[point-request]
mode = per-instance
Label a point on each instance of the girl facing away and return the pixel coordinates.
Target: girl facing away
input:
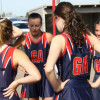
(10, 58)
(72, 51)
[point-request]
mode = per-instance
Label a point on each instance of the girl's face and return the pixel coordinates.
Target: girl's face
(59, 23)
(34, 26)
(97, 31)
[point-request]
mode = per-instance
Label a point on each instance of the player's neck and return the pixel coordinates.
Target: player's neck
(36, 37)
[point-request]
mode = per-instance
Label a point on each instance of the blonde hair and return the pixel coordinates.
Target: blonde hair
(5, 31)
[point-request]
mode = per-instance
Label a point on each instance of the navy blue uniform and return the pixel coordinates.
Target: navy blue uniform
(7, 71)
(96, 66)
(37, 52)
(75, 64)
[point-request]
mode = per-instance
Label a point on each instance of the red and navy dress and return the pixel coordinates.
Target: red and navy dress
(37, 52)
(7, 72)
(96, 66)
(75, 64)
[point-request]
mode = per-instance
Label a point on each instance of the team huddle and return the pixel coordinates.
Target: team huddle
(73, 51)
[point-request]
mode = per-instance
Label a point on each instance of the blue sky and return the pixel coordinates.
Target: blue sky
(20, 7)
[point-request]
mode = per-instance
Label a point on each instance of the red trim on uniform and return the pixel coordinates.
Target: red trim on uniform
(9, 55)
(29, 36)
(46, 37)
(12, 52)
(88, 42)
(70, 39)
(4, 52)
(21, 95)
(88, 39)
(6, 57)
(24, 93)
(27, 40)
(64, 47)
(39, 40)
(57, 97)
(68, 44)
(45, 40)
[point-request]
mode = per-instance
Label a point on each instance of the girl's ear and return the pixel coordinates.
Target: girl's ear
(58, 18)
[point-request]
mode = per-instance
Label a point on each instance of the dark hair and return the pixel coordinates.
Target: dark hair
(5, 31)
(73, 22)
(35, 15)
(97, 22)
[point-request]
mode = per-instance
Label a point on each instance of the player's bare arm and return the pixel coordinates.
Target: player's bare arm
(57, 49)
(20, 41)
(20, 58)
(17, 32)
(49, 37)
(95, 42)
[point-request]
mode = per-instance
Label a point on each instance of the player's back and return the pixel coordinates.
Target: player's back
(7, 71)
(75, 64)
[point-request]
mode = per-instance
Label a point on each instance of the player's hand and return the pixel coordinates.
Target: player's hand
(92, 84)
(9, 92)
(62, 84)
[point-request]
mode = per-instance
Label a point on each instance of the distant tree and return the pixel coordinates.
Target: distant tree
(3, 15)
(21, 16)
(27, 14)
(9, 14)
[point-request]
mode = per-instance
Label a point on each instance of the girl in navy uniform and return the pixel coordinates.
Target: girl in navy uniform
(10, 58)
(72, 51)
(36, 44)
(96, 62)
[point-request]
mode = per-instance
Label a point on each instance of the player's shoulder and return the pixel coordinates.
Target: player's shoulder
(49, 36)
(58, 39)
(18, 52)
